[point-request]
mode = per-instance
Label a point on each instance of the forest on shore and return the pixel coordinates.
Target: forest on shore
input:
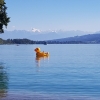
(28, 41)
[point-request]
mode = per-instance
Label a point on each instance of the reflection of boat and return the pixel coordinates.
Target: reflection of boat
(40, 59)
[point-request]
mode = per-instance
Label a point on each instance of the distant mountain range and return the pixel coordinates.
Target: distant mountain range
(27, 37)
(89, 38)
(41, 36)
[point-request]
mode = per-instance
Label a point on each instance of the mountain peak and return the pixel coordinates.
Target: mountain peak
(37, 34)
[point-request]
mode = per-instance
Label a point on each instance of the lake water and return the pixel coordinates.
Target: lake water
(71, 72)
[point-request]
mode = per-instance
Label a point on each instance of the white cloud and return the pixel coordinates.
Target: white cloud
(35, 30)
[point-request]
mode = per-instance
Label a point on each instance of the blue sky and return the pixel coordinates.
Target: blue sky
(45, 15)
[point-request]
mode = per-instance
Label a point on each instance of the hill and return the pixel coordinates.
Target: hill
(89, 38)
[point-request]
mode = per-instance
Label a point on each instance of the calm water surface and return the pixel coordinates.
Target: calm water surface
(71, 72)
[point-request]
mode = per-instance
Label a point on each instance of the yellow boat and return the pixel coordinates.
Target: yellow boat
(41, 54)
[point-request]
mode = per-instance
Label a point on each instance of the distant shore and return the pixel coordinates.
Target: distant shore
(27, 41)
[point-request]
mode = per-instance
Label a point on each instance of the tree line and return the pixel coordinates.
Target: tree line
(27, 41)
(20, 41)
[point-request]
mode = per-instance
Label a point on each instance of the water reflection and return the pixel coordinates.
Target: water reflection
(39, 60)
(3, 81)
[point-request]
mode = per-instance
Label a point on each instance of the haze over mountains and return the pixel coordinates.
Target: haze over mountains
(40, 36)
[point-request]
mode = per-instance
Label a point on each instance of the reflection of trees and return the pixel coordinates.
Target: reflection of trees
(3, 81)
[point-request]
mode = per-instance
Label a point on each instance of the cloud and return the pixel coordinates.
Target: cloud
(35, 30)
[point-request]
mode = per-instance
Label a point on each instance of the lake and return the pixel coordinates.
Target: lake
(71, 72)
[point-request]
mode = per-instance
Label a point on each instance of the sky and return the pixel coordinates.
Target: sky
(43, 15)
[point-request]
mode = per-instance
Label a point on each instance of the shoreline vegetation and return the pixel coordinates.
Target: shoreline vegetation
(28, 41)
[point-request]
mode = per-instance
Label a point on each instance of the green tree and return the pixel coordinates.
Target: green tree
(4, 19)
